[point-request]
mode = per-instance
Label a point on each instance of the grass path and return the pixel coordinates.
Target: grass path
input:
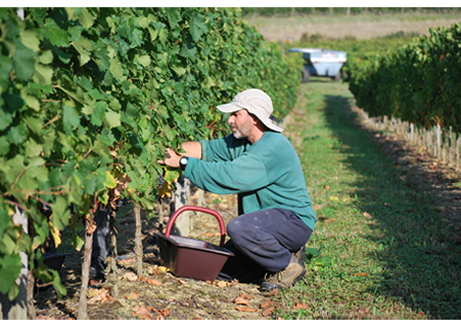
(379, 250)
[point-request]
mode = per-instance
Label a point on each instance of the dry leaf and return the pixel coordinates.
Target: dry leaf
(299, 305)
(246, 296)
(240, 301)
(142, 313)
(267, 303)
(274, 292)
(245, 309)
(151, 281)
(165, 312)
(131, 276)
(102, 295)
(221, 283)
(133, 296)
(367, 215)
(268, 312)
(182, 282)
(157, 270)
(326, 187)
(361, 274)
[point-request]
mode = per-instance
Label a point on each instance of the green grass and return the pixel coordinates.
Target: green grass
(379, 250)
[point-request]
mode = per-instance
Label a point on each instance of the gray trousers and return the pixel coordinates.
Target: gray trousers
(263, 241)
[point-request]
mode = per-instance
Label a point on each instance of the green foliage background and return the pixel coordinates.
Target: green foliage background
(90, 97)
(418, 82)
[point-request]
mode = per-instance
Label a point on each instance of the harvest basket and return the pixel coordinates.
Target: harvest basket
(191, 258)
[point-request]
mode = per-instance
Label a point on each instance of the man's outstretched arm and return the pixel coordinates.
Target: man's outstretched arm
(192, 150)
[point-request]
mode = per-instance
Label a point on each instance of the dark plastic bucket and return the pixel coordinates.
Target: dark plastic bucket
(54, 260)
(191, 258)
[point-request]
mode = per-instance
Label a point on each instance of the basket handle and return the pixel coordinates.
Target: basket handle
(200, 209)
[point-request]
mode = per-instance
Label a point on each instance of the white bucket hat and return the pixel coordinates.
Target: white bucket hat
(256, 102)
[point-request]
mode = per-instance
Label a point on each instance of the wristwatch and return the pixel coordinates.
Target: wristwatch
(183, 162)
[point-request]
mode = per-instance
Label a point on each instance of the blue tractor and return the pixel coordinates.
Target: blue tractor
(321, 62)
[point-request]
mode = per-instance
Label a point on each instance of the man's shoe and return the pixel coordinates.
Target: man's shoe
(284, 278)
(301, 255)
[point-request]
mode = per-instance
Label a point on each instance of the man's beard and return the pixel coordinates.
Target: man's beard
(239, 133)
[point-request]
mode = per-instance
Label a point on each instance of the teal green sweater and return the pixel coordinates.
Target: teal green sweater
(265, 175)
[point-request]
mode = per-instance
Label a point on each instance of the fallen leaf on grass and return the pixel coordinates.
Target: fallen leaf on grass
(298, 306)
(245, 309)
(274, 292)
(367, 215)
(164, 312)
(142, 313)
(223, 283)
(326, 187)
(133, 296)
(151, 281)
(157, 270)
(131, 276)
(268, 312)
(102, 295)
(361, 274)
(240, 301)
(246, 296)
(126, 261)
(267, 303)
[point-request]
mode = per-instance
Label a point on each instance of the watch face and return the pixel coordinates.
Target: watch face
(183, 161)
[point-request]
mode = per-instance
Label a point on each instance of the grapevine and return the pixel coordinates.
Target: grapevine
(89, 99)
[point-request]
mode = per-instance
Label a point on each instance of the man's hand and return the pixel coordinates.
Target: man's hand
(172, 159)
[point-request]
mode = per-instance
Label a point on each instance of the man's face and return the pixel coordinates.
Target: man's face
(241, 123)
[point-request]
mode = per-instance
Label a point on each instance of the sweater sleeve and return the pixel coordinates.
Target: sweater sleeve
(244, 174)
(224, 149)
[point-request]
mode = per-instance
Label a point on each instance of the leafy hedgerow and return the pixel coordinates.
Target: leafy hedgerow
(419, 82)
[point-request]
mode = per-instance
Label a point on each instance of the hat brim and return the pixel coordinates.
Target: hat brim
(232, 107)
(269, 124)
(229, 107)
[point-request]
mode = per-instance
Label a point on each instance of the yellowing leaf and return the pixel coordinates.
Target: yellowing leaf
(55, 233)
(110, 180)
(164, 191)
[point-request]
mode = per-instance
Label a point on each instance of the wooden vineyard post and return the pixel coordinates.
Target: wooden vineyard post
(90, 226)
(181, 198)
(457, 151)
(439, 145)
(428, 139)
(450, 144)
(138, 252)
